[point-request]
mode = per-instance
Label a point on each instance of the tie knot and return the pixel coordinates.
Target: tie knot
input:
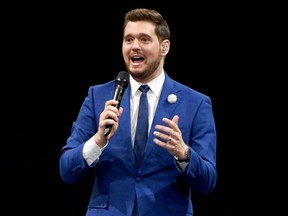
(144, 88)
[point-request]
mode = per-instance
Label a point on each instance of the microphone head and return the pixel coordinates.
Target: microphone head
(122, 79)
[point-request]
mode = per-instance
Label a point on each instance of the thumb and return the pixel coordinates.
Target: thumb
(175, 119)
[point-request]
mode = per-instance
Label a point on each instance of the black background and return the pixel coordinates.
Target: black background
(56, 51)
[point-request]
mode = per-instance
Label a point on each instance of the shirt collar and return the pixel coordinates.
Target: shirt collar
(155, 85)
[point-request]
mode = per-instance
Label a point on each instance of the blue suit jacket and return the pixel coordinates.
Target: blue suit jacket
(162, 189)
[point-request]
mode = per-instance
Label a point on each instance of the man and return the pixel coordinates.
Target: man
(180, 153)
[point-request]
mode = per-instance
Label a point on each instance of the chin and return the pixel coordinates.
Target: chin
(136, 69)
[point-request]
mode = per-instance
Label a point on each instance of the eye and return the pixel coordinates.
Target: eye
(145, 39)
(128, 40)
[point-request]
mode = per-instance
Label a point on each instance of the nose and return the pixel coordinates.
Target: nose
(136, 45)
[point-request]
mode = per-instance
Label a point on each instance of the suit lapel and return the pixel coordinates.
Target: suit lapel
(164, 109)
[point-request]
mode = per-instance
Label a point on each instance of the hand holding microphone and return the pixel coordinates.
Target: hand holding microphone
(121, 83)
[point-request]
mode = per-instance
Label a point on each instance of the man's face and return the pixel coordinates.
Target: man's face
(141, 51)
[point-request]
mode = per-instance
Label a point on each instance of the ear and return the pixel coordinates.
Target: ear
(165, 46)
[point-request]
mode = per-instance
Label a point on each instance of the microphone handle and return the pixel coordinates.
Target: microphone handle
(119, 91)
(107, 130)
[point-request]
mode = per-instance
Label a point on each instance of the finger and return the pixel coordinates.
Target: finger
(175, 119)
(162, 136)
(163, 144)
(111, 103)
(164, 129)
(110, 116)
(174, 143)
(120, 111)
(173, 124)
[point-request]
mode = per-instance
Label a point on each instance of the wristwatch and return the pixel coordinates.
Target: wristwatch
(187, 154)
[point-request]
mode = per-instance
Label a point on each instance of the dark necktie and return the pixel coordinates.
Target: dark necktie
(142, 125)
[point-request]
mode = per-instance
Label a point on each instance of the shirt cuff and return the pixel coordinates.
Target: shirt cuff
(91, 151)
(181, 165)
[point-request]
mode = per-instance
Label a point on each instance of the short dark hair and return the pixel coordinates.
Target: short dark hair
(142, 14)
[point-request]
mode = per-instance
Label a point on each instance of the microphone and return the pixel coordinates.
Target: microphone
(121, 83)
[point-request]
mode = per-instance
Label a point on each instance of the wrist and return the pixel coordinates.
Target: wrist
(186, 158)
